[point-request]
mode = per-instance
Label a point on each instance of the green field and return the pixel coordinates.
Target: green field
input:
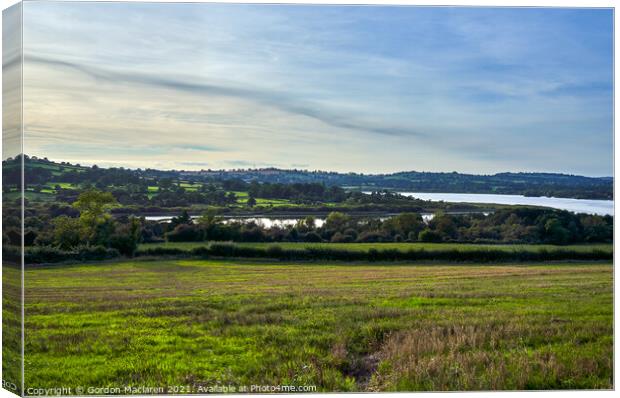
(30, 195)
(242, 199)
(11, 327)
(384, 246)
(55, 168)
(340, 327)
(63, 185)
(190, 186)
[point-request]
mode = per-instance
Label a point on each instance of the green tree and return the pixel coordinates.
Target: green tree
(595, 229)
(208, 218)
(555, 232)
(184, 218)
(313, 237)
(251, 200)
(103, 232)
(444, 225)
(337, 221)
(127, 237)
(94, 207)
(306, 224)
(404, 224)
(428, 235)
(66, 232)
(310, 222)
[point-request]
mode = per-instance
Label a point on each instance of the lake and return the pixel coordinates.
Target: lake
(589, 206)
(266, 222)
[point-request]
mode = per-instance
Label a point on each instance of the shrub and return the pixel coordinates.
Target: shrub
(341, 238)
(275, 251)
(160, 251)
(313, 237)
(11, 254)
(49, 254)
(370, 237)
(125, 244)
(352, 233)
(185, 233)
(428, 235)
(30, 237)
(252, 234)
(224, 249)
(95, 253)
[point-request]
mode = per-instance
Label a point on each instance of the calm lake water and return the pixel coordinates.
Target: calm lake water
(274, 222)
(266, 222)
(590, 206)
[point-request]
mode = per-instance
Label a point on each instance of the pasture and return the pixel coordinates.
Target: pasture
(341, 327)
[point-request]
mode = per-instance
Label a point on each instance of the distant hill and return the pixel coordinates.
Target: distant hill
(528, 184)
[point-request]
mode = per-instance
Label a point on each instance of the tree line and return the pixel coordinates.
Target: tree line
(521, 225)
(87, 229)
(529, 184)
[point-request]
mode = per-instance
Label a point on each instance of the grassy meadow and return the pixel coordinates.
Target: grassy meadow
(11, 327)
(341, 327)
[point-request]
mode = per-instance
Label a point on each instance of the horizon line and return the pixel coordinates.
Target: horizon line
(274, 168)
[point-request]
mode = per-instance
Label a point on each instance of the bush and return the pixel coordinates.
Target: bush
(46, 254)
(252, 234)
(352, 233)
(275, 251)
(11, 254)
(30, 237)
(370, 237)
(342, 238)
(313, 237)
(428, 235)
(160, 251)
(49, 254)
(229, 249)
(95, 253)
(412, 236)
(185, 233)
(125, 244)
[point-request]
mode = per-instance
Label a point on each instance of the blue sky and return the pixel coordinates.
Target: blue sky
(364, 89)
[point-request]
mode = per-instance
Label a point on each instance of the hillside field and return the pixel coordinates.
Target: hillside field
(353, 327)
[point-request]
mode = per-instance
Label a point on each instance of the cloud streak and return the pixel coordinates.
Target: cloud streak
(281, 100)
(372, 89)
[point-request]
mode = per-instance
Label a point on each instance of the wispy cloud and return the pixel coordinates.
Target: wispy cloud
(345, 88)
(194, 164)
(287, 102)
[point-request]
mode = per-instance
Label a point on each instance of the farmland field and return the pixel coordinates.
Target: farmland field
(340, 327)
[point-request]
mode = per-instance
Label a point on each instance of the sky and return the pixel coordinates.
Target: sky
(372, 89)
(11, 82)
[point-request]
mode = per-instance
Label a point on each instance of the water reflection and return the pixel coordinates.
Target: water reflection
(269, 222)
(589, 206)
